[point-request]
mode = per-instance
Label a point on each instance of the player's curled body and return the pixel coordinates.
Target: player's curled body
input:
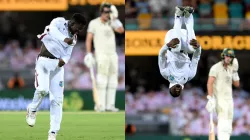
(173, 61)
(58, 41)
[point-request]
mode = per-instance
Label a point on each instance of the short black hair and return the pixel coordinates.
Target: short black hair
(103, 5)
(173, 91)
(79, 18)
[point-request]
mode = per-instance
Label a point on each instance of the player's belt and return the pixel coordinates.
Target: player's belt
(50, 57)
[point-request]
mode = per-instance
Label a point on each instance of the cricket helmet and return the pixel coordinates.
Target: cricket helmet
(228, 52)
(103, 5)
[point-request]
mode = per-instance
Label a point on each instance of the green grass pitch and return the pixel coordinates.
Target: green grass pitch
(74, 126)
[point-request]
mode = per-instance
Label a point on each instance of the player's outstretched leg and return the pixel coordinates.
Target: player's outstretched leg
(189, 22)
(179, 11)
(42, 89)
(32, 107)
(56, 102)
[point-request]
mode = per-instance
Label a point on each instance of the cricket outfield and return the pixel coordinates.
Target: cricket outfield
(85, 125)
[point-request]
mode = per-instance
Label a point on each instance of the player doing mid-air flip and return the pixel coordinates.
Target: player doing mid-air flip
(58, 40)
(174, 63)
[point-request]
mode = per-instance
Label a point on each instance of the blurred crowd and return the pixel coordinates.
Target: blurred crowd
(209, 13)
(15, 57)
(187, 113)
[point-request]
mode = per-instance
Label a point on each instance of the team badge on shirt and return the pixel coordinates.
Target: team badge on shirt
(61, 83)
(171, 78)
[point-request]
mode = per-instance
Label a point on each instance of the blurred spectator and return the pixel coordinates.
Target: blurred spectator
(187, 113)
(131, 10)
(16, 81)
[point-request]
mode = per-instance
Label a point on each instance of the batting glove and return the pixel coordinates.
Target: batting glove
(114, 12)
(210, 104)
(89, 60)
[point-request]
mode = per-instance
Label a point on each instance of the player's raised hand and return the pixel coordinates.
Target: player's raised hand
(69, 41)
(194, 43)
(61, 63)
(173, 43)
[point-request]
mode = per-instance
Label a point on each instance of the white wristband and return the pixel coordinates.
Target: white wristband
(236, 76)
(116, 23)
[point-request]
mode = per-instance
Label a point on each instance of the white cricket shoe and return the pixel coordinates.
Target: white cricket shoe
(179, 11)
(52, 136)
(98, 108)
(30, 117)
(112, 109)
(188, 11)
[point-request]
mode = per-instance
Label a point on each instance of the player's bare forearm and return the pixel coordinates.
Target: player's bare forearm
(89, 42)
(236, 84)
(210, 83)
(120, 30)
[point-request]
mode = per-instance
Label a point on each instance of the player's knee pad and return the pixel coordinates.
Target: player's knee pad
(57, 101)
(113, 81)
(101, 81)
(42, 92)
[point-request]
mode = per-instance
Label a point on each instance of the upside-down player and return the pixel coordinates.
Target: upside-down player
(58, 40)
(101, 31)
(174, 63)
(219, 86)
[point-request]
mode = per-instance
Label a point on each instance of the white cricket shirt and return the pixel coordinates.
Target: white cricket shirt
(104, 36)
(222, 87)
(53, 39)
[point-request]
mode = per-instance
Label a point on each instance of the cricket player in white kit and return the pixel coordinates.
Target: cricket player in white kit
(101, 31)
(174, 63)
(219, 86)
(58, 40)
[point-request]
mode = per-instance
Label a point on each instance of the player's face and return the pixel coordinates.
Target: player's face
(106, 13)
(76, 28)
(227, 59)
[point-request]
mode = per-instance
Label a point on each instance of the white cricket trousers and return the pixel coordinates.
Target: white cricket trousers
(107, 79)
(224, 110)
(49, 79)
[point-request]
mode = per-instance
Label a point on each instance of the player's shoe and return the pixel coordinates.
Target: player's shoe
(30, 117)
(188, 11)
(112, 109)
(52, 136)
(99, 109)
(179, 11)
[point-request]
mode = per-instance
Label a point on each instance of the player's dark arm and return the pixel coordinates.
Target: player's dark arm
(210, 83)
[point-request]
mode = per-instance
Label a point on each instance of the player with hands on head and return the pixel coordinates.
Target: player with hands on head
(101, 32)
(173, 61)
(222, 76)
(58, 41)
